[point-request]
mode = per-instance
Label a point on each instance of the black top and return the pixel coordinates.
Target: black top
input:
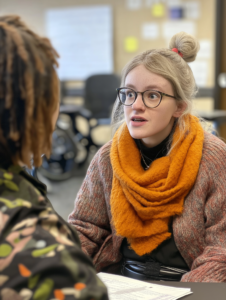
(166, 253)
(150, 154)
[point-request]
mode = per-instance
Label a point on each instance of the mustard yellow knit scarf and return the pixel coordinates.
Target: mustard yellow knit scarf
(142, 202)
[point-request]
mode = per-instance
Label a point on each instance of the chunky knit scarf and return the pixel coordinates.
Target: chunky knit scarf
(142, 202)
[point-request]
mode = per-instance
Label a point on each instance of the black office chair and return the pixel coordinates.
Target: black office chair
(99, 96)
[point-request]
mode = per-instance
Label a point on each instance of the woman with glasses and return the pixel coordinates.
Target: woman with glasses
(153, 202)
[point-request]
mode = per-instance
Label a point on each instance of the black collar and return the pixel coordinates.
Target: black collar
(153, 153)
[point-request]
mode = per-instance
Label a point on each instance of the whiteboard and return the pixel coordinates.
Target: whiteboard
(83, 38)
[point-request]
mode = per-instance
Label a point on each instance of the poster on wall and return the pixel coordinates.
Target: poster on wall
(83, 38)
(172, 27)
(150, 31)
(192, 10)
(205, 49)
(133, 4)
(131, 44)
(200, 71)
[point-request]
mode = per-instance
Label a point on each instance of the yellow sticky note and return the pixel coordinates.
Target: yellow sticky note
(131, 44)
(158, 10)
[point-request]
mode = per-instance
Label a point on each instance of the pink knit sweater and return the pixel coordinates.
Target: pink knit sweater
(199, 233)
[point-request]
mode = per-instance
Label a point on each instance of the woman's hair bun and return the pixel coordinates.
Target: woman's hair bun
(187, 44)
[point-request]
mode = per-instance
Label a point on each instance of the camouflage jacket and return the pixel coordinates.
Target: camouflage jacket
(40, 255)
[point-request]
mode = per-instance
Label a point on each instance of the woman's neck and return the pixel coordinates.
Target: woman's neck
(156, 139)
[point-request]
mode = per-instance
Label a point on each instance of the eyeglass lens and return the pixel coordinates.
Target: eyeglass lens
(128, 97)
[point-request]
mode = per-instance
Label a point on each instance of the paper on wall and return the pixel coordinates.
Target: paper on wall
(205, 49)
(83, 38)
(150, 31)
(174, 3)
(192, 10)
(149, 3)
(172, 27)
(131, 44)
(200, 71)
(133, 4)
(158, 10)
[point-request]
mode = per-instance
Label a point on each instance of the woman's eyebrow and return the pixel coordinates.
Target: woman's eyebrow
(149, 87)
(130, 85)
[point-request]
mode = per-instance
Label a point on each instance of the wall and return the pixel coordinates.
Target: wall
(126, 23)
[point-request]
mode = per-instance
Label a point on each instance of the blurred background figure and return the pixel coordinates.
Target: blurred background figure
(95, 39)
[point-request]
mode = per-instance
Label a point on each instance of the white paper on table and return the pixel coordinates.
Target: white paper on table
(124, 288)
(200, 71)
(192, 10)
(205, 49)
(150, 31)
(83, 36)
(133, 4)
(172, 27)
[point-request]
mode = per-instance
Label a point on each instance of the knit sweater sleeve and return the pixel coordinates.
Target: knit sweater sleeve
(206, 210)
(90, 215)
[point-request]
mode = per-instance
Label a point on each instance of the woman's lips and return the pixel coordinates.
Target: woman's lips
(137, 121)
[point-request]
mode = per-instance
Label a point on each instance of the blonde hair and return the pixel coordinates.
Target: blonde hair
(29, 92)
(172, 67)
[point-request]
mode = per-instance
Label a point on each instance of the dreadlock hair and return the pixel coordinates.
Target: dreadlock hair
(29, 92)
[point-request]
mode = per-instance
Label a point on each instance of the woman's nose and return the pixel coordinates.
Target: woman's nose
(138, 104)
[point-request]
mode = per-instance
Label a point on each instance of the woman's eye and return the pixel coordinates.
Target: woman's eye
(130, 95)
(152, 96)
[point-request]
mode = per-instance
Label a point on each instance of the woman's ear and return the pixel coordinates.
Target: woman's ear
(181, 107)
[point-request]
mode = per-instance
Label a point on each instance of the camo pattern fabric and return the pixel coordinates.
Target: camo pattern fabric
(40, 255)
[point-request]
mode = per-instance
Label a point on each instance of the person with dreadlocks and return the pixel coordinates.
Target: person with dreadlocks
(40, 255)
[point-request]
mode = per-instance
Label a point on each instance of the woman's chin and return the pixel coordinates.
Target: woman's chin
(136, 135)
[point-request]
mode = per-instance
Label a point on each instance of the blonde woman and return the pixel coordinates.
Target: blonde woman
(153, 202)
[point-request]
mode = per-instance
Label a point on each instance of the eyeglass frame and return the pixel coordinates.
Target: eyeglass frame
(142, 93)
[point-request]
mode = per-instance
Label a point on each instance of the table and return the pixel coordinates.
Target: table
(201, 290)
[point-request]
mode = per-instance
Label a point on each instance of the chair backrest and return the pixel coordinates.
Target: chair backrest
(100, 94)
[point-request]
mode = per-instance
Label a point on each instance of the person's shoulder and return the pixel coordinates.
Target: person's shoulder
(103, 154)
(106, 148)
(214, 148)
(14, 186)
